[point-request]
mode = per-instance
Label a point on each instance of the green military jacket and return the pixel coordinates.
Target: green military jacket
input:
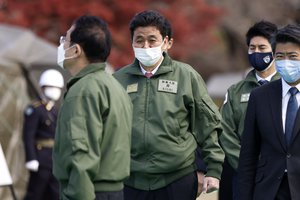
(233, 112)
(92, 142)
(170, 110)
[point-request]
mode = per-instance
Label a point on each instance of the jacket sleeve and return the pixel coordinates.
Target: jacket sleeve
(76, 157)
(201, 167)
(229, 138)
(206, 126)
(250, 149)
(30, 127)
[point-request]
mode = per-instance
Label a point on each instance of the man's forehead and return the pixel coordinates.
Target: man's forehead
(259, 40)
(148, 31)
(287, 47)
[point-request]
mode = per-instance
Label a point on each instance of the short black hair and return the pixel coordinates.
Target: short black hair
(93, 35)
(169, 29)
(289, 33)
(149, 18)
(264, 29)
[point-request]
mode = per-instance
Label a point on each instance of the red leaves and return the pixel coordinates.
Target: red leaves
(191, 20)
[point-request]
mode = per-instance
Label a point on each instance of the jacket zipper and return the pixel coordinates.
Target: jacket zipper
(146, 116)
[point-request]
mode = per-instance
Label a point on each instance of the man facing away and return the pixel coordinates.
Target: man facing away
(270, 150)
(92, 144)
(172, 114)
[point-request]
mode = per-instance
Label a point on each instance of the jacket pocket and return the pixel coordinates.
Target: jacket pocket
(261, 163)
(79, 145)
(260, 170)
(78, 134)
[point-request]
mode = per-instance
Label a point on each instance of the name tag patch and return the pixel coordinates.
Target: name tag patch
(132, 88)
(245, 97)
(167, 86)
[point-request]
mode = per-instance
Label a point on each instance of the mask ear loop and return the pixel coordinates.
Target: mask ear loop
(164, 42)
(70, 57)
(271, 63)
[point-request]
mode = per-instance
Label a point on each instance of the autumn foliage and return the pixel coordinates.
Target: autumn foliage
(192, 21)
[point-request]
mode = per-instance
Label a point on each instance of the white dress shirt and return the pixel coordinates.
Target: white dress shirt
(267, 78)
(285, 99)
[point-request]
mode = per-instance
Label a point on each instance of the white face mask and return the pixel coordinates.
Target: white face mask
(53, 93)
(148, 56)
(61, 55)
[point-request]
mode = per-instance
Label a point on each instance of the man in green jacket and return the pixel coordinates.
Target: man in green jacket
(92, 144)
(260, 41)
(172, 114)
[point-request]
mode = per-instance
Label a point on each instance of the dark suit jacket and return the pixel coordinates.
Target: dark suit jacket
(264, 154)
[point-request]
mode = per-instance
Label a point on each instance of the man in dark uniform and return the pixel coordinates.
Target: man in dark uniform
(38, 135)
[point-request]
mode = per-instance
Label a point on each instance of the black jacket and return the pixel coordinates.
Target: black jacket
(264, 154)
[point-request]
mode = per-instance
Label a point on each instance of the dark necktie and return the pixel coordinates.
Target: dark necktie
(291, 113)
(262, 82)
(148, 74)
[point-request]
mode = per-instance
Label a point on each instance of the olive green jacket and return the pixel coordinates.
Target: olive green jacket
(170, 110)
(233, 112)
(92, 142)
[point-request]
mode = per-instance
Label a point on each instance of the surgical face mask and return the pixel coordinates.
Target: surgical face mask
(289, 70)
(61, 55)
(260, 61)
(53, 93)
(148, 56)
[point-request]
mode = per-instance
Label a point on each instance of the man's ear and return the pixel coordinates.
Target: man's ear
(170, 43)
(166, 39)
(78, 50)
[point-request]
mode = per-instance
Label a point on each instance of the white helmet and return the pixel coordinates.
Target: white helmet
(52, 77)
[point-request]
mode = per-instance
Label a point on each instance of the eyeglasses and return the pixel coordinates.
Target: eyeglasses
(63, 39)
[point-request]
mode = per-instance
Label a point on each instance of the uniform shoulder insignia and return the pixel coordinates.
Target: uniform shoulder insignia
(29, 110)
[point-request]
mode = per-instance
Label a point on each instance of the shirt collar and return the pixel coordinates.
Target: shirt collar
(286, 87)
(153, 71)
(267, 78)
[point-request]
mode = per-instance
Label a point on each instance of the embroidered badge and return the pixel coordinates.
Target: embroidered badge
(245, 97)
(167, 86)
(132, 88)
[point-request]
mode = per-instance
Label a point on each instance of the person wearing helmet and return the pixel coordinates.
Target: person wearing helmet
(38, 136)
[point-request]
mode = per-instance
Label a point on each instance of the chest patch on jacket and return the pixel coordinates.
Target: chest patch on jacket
(132, 88)
(167, 86)
(245, 97)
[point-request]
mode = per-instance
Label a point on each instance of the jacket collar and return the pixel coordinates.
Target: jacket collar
(91, 68)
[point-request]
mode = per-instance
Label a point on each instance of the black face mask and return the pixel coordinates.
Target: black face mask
(260, 61)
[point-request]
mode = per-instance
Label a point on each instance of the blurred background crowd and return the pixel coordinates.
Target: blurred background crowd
(208, 34)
